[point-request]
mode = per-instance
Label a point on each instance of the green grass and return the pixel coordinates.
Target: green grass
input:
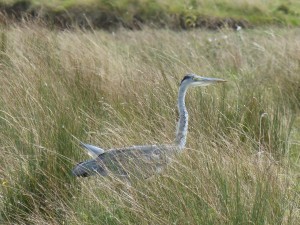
(164, 13)
(241, 164)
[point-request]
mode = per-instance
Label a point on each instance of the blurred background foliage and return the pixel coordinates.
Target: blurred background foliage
(176, 14)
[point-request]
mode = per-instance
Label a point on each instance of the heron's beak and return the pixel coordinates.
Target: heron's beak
(204, 81)
(209, 80)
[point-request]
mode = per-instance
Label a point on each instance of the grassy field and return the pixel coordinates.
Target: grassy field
(241, 164)
(158, 13)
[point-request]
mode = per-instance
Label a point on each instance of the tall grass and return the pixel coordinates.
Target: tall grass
(118, 89)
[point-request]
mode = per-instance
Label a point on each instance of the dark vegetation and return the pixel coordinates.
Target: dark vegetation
(134, 14)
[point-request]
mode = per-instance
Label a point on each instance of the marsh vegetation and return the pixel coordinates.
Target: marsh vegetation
(241, 164)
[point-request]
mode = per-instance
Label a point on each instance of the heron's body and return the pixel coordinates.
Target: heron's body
(143, 160)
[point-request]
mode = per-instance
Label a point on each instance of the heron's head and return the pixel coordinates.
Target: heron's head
(193, 80)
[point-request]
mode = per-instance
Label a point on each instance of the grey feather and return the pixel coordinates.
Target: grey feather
(92, 150)
(145, 160)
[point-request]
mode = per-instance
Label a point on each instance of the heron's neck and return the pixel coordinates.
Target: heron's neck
(182, 125)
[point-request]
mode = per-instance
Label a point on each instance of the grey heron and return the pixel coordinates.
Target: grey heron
(145, 159)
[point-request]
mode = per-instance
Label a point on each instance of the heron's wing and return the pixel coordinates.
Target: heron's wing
(139, 161)
(92, 150)
(144, 160)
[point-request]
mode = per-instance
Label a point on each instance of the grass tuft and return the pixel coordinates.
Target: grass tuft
(119, 89)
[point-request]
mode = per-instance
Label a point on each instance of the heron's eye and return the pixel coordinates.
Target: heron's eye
(186, 77)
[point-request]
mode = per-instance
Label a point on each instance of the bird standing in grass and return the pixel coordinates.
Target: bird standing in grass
(143, 160)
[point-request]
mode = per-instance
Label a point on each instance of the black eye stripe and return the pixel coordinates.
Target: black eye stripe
(186, 77)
